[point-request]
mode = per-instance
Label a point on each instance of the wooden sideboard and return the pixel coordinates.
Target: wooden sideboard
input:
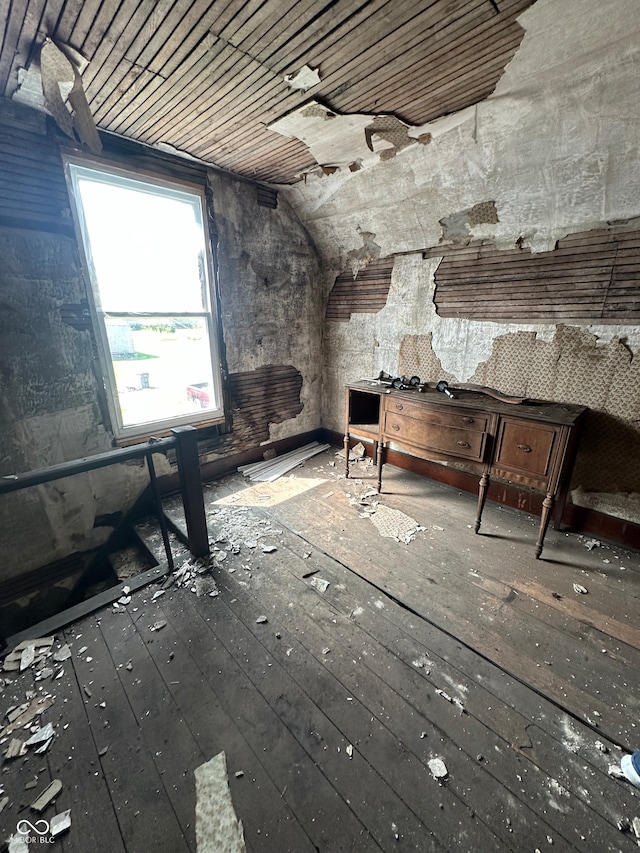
(532, 444)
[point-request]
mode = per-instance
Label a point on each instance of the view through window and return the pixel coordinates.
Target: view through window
(146, 253)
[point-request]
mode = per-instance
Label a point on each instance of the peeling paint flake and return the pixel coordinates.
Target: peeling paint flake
(337, 142)
(305, 78)
(218, 829)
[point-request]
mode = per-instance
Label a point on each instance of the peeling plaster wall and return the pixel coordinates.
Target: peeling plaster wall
(553, 151)
(49, 410)
(270, 293)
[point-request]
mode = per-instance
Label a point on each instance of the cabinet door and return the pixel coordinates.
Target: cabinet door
(526, 448)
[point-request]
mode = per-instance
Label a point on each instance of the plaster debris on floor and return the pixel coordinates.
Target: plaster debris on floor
(395, 524)
(218, 829)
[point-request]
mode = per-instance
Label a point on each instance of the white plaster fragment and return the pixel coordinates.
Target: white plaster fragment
(305, 78)
(338, 140)
(218, 829)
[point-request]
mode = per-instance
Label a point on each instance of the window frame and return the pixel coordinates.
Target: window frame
(202, 417)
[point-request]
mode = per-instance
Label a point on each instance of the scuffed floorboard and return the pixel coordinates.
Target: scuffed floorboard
(332, 669)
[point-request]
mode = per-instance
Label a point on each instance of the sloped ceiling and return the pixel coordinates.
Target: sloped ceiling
(209, 78)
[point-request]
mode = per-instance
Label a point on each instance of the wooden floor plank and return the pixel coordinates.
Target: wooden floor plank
(257, 799)
(537, 784)
(379, 759)
(145, 811)
(464, 798)
(327, 819)
(414, 650)
(481, 613)
(74, 759)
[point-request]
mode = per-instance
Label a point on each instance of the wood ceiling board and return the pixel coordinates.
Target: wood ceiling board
(469, 35)
(265, 93)
(10, 42)
(328, 83)
(478, 65)
(223, 73)
(213, 46)
(268, 149)
(291, 158)
(314, 17)
(135, 80)
(110, 53)
(88, 17)
(259, 72)
(102, 88)
(62, 28)
(176, 94)
(275, 172)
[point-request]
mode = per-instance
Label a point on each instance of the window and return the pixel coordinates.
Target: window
(146, 251)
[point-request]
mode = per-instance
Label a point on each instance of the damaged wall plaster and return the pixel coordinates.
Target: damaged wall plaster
(457, 227)
(348, 142)
(49, 412)
(594, 366)
(554, 147)
(303, 79)
(269, 289)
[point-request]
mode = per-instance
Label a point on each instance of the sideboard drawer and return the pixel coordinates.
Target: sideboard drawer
(425, 411)
(525, 447)
(464, 443)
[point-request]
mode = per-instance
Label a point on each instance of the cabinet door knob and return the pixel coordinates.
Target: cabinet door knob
(399, 407)
(462, 443)
(468, 420)
(525, 448)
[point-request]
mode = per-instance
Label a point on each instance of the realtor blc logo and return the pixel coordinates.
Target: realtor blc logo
(35, 833)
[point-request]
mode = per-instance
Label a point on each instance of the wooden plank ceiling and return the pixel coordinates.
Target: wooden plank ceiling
(208, 77)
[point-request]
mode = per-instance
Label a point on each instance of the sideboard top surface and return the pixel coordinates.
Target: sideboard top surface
(540, 410)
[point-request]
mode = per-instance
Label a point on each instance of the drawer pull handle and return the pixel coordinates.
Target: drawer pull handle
(462, 443)
(395, 426)
(399, 407)
(468, 420)
(525, 448)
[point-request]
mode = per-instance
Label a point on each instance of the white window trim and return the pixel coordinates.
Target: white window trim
(210, 315)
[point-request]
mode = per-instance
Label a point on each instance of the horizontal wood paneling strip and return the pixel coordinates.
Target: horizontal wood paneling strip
(366, 293)
(33, 190)
(590, 275)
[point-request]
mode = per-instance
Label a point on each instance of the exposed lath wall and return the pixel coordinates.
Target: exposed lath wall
(365, 293)
(258, 398)
(29, 162)
(593, 275)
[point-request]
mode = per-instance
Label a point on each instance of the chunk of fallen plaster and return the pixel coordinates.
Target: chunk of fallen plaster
(63, 653)
(18, 844)
(60, 823)
(42, 734)
(320, 584)
(218, 829)
(305, 78)
(27, 657)
(438, 768)
(16, 749)
(50, 793)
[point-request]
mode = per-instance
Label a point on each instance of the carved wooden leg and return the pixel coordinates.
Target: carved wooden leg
(380, 463)
(346, 455)
(375, 452)
(547, 505)
(482, 496)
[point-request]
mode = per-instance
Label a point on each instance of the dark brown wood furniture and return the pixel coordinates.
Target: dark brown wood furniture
(531, 444)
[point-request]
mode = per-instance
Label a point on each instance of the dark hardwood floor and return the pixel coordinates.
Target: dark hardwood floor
(330, 701)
